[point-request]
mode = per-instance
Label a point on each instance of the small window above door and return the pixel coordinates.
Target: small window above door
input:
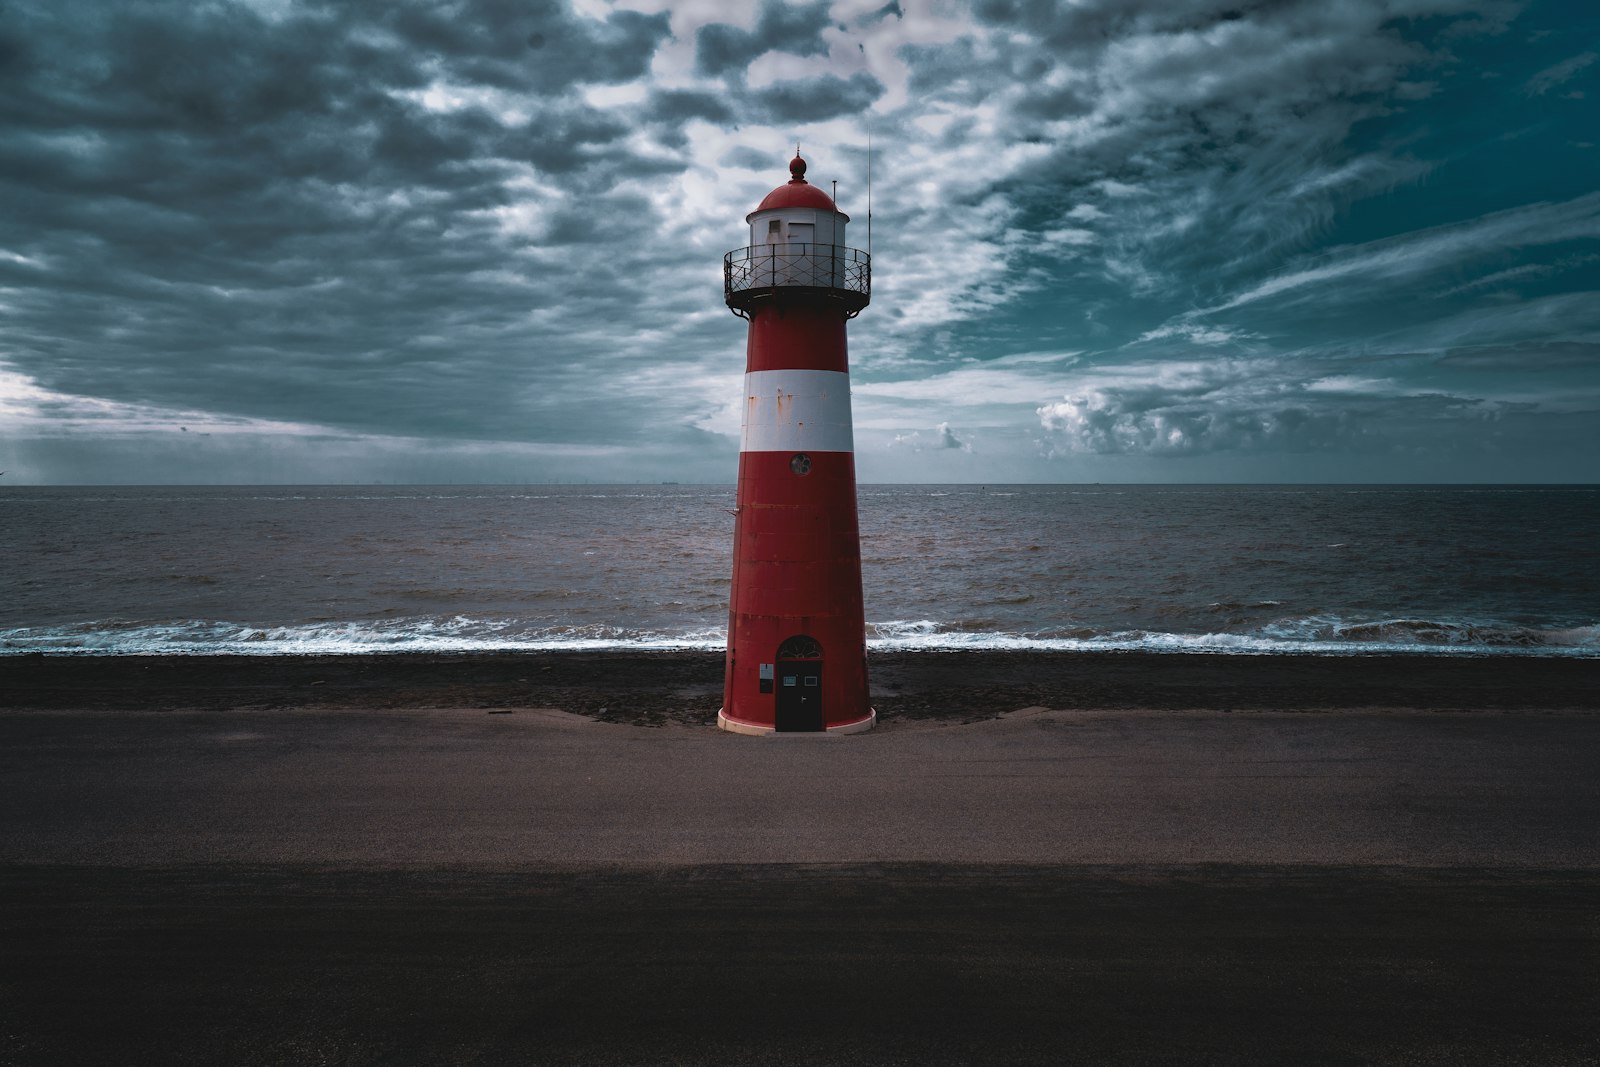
(800, 646)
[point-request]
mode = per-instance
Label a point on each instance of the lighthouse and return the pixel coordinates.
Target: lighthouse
(797, 651)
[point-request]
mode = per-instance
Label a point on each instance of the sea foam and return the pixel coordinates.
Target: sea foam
(1320, 635)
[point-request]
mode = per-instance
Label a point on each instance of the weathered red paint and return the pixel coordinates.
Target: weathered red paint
(796, 571)
(796, 335)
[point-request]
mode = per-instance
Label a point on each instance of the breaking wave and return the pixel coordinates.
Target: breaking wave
(1320, 635)
(457, 634)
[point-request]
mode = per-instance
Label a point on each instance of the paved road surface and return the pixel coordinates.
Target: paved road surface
(415, 886)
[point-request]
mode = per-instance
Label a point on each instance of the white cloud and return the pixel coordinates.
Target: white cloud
(1349, 384)
(1115, 189)
(1558, 74)
(942, 439)
(1248, 406)
(1427, 251)
(1194, 334)
(28, 409)
(1571, 316)
(949, 439)
(971, 386)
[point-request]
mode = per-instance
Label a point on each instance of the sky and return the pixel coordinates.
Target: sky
(331, 241)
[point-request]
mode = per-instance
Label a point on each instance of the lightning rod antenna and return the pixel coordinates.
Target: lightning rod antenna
(869, 196)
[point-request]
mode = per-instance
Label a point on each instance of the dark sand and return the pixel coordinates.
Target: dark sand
(555, 859)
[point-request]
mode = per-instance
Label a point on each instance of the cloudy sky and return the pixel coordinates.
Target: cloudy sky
(1115, 240)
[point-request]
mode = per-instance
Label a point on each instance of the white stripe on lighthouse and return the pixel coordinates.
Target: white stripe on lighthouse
(796, 411)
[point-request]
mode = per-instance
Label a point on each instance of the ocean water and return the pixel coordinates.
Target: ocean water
(1225, 569)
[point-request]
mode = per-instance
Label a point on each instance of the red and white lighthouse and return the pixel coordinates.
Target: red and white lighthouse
(797, 650)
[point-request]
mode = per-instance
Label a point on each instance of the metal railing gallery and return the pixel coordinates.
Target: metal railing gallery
(846, 271)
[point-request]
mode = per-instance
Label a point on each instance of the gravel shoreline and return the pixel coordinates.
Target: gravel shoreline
(651, 688)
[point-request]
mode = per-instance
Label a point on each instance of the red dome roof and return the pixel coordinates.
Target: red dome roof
(798, 192)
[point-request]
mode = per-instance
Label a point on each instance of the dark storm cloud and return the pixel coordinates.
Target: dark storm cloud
(746, 157)
(209, 208)
(952, 71)
(1210, 114)
(1259, 228)
(816, 99)
(667, 115)
(511, 44)
(1086, 27)
(563, 139)
(721, 49)
(1185, 152)
(678, 106)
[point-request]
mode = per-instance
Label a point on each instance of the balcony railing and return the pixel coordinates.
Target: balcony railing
(763, 272)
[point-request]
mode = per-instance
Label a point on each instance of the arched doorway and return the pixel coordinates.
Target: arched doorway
(799, 689)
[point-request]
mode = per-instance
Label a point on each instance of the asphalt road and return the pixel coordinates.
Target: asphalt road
(414, 787)
(765, 964)
(485, 886)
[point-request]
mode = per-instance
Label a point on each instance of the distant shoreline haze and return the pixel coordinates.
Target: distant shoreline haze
(11, 483)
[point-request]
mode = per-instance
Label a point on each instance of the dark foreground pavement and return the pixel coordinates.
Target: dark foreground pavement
(1412, 877)
(779, 964)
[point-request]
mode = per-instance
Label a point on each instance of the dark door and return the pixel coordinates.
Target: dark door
(799, 695)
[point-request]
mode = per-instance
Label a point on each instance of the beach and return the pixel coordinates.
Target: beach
(1036, 858)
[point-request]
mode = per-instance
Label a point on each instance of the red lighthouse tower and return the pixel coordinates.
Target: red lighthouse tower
(797, 653)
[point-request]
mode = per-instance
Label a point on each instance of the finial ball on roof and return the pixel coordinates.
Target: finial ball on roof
(797, 192)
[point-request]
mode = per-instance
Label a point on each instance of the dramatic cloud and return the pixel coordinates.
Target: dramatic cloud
(942, 438)
(1179, 409)
(796, 29)
(1429, 253)
(324, 240)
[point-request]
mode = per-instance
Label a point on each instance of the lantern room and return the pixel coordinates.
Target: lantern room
(797, 246)
(797, 214)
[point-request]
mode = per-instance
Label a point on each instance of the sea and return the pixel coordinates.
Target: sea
(1224, 569)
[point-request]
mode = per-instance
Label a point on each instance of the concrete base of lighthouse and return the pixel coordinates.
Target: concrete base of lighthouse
(734, 726)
